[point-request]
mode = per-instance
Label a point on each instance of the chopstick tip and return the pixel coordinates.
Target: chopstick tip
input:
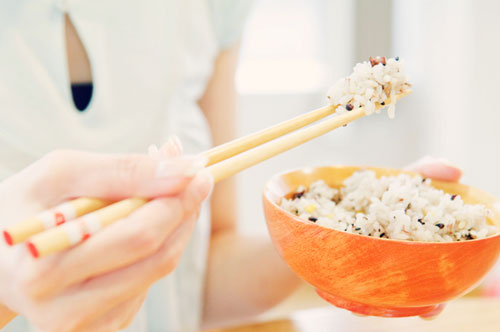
(32, 249)
(8, 238)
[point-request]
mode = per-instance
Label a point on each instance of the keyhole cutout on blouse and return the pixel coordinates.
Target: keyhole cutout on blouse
(80, 73)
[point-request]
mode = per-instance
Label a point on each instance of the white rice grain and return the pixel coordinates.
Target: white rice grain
(370, 84)
(396, 207)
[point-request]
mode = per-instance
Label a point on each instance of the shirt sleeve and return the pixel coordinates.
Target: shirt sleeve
(229, 18)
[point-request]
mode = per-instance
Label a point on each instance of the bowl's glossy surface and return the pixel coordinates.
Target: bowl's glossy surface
(374, 276)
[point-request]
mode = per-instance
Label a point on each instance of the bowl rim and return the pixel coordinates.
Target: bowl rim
(277, 176)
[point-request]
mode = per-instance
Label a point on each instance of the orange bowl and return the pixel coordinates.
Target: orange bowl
(374, 276)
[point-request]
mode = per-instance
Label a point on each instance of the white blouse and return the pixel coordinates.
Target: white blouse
(150, 63)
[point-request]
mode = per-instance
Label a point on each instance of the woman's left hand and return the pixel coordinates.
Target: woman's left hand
(437, 169)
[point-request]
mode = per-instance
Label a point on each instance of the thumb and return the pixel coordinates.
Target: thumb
(197, 191)
(67, 174)
(437, 169)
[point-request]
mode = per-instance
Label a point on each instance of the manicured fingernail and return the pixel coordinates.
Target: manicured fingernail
(208, 179)
(425, 160)
(417, 165)
(152, 150)
(201, 187)
(198, 164)
(176, 142)
(171, 148)
(187, 166)
(449, 163)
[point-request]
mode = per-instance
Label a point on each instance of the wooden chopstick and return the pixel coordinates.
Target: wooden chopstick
(78, 230)
(238, 163)
(56, 216)
(234, 147)
(65, 236)
(231, 166)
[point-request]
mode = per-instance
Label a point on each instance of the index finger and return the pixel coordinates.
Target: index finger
(123, 243)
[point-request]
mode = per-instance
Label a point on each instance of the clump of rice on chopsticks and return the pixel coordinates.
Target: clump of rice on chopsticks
(372, 82)
(399, 207)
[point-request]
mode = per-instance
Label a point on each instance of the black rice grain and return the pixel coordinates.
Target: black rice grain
(298, 194)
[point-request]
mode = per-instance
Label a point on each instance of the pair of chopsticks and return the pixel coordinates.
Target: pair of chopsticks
(72, 222)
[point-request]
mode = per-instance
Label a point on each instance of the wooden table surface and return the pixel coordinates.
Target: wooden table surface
(478, 315)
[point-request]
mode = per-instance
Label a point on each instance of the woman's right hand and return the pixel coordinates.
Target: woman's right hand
(99, 284)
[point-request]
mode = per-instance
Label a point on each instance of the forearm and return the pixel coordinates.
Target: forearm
(245, 274)
(245, 277)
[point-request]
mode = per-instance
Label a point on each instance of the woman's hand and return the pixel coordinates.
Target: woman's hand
(437, 169)
(100, 284)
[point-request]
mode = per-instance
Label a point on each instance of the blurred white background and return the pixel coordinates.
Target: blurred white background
(294, 49)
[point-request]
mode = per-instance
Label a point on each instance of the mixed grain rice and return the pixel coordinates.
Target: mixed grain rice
(399, 207)
(371, 82)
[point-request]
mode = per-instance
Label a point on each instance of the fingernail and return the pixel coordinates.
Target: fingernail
(415, 166)
(426, 160)
(172, 147)
(449, 163)
(198, 164)
(152, 150)
(187, 166)
(176, 142)
(208, 180)
(202, 186)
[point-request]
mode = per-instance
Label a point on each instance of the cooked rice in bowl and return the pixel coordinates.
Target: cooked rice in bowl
(399, 207)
